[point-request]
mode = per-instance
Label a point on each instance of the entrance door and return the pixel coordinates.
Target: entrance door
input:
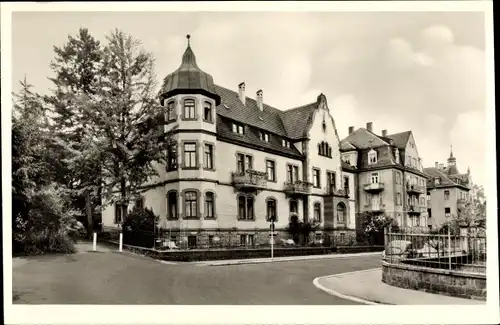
(375, 202)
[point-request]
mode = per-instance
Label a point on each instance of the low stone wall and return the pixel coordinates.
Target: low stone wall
(446, 282)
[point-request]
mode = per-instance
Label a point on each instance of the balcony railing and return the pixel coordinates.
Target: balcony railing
(414, 210)
(415, 189)
(339, 192)
(375, 207)
(374, 187)
(297, 188)
(250, 179)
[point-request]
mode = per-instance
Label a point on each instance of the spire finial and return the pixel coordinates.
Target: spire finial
(188, 37)
(451, 151)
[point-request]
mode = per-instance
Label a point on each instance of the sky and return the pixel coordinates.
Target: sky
(418, 71)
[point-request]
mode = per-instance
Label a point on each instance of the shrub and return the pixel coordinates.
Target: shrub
(139, 228)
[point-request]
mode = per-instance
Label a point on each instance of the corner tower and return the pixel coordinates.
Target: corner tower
(190, 99)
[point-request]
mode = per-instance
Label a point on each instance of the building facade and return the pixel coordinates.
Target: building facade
(235, 162)
(389, 173)
(447, 189)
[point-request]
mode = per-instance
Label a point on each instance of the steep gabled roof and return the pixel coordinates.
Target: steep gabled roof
(400, 139)
(249, 113)
(346, 146)
(297, 119)
(432, 173)
(364, 139)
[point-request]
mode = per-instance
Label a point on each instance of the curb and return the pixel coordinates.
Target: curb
(275, 260)
(340, 295)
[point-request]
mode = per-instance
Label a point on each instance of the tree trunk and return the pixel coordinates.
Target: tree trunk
(88, 210)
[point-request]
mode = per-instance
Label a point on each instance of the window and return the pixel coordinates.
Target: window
(209, 156)
(245, 207)
(289, 173)
(398, 178)
(372, 157)
(317, 212)
(243, 240)
(139, 203)
(238, 128)
(264, 136)
(295, 173)
(330, 181)
(251, 240)
(437, 181)
(417, 219)
(190, 204)
(324, 149)
(207, 112)
(346, 184)
(368, 198)
(422, 202)
(210, 240)
(398, 199)
(189, 109)
(446, 195)
(447, 212)
(294, 206)
(414, 162)
(341, 212)
(190, 154)
(374, 178)
(271, 210)
(190, 200)
(120, 213)
(271, 170)
(209, 205)
(429, 213)
(172, 204)
(285, 143)
(171, 111)
(172, 157)
(192, 241)
(316, 178)
(244, 163)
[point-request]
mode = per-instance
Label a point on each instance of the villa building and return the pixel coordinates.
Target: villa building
(236, 162)
(389, 172)
(446, 190)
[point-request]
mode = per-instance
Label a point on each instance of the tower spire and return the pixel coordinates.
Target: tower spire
(451, 151)
(188, 37)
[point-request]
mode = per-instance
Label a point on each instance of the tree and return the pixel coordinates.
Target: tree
(300, 230)
(77, 66)
(40, 211)
(374, 224)
(124, 134)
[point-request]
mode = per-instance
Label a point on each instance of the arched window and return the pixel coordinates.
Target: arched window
(209, 205)
(189, 109)
(317, 212)
(294, 206)
(190, 204)
(272, 213)
(207, 112)
(172, 204)
(341, 212)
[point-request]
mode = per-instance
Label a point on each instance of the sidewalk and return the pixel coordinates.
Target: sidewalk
(367, 287)
(280, 259)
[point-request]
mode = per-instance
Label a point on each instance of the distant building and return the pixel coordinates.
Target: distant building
(389, 175)
(447, 188)
(236, 162)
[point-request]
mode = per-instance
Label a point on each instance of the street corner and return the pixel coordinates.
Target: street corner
(341, 285)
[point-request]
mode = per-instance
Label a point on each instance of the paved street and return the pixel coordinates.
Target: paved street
(114, 278)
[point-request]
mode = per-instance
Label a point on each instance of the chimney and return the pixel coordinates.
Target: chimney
(436, 164)
(241, 91)
(351, 129)
(369, 126)
(441, 166)
(260, 103)
(384, 133)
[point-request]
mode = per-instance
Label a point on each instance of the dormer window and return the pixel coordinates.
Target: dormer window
(437, 181)
(264, 136)
(285, 143)
(396, 155)
(238, 128)
(372, 157)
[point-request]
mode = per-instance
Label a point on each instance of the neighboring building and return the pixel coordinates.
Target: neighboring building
(446, 190)
(237, 161)
(389, 175)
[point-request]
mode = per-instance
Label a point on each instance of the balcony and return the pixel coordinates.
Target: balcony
(338, 192)
(375, 208)
(415, 189)
(414, 210)
(374, 187)
(297, 188)
(249, 180)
